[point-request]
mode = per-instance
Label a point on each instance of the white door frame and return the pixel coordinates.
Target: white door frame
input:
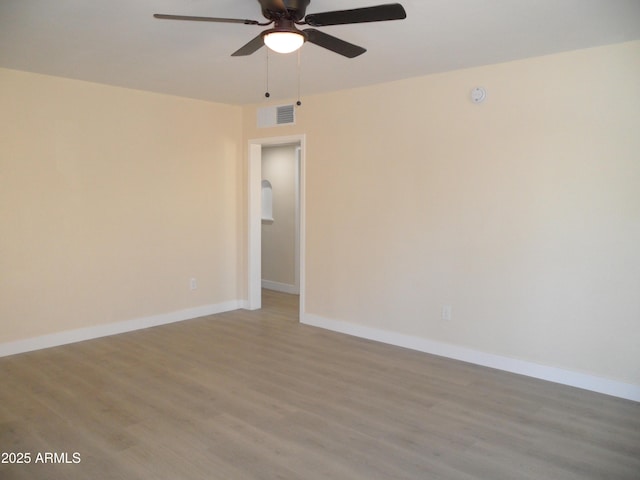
(254, 240)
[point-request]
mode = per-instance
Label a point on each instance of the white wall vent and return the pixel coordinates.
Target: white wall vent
(276, 115)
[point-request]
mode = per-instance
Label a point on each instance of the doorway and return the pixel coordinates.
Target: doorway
(280, 233)
(254, 243)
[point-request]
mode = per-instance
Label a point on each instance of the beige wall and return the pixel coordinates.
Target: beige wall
(110, 201)
(279, 236)
(522, 213)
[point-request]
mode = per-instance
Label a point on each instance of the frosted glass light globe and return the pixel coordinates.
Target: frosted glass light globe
(283, 42)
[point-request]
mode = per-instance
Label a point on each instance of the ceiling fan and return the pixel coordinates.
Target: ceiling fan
(285, 37)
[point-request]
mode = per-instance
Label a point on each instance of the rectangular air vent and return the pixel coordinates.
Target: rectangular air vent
(285, 114)
(276, 115)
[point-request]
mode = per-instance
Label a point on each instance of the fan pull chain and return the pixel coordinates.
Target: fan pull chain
(298, 103)
(267, 94)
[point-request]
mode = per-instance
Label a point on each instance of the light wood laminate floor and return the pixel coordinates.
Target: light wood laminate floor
(256, 395)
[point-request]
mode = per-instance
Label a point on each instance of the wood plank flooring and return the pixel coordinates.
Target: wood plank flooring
(256, 395)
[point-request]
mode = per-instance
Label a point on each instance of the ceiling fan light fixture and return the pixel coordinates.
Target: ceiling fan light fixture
(283, 42)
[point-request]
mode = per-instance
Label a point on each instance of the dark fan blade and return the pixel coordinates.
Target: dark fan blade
(380, 13)
(206, 19)
(253, 46)
(332, 43)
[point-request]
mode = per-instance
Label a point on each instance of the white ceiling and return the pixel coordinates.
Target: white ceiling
(118, 42)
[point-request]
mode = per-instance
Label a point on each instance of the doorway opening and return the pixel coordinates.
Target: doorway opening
(280, 232)
(259, 149)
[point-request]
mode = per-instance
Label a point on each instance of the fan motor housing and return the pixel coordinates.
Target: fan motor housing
(295, 9)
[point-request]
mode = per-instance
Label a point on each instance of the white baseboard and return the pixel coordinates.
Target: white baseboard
(88, 333)
(243, 304)
(552, 374)
(279, 287)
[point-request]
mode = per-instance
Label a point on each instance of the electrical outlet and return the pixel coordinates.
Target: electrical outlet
(446, 312)
(193, 284)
